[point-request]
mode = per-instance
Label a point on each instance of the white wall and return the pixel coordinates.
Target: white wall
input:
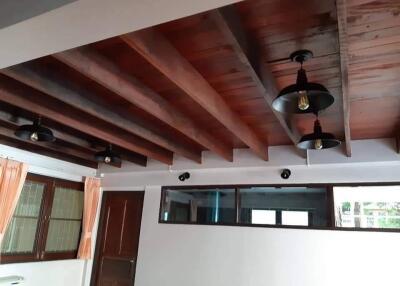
(180, 255)
(53, 273)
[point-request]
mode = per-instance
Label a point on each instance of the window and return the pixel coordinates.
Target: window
(46, 224)
(363, 207)
(367, 207)
(258, 205)
(203, 206)
(302, 206)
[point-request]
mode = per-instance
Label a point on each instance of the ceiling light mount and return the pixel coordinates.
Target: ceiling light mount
(35, 132)
(303, 96)
(301, 56)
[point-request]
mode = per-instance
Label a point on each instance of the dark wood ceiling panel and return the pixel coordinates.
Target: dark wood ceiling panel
(108, 74)
(374, 67)
(281, 27)
(356, 46)
(26, 98)
(216, 61)
(54, 88)
(161, 53)
(130, 62)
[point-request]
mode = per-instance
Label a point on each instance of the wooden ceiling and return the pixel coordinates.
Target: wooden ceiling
(206, 82)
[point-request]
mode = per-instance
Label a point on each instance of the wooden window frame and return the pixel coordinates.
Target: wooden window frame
(39, 253)
(331, 226)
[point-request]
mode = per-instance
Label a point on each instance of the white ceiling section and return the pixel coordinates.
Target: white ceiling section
(86, 21)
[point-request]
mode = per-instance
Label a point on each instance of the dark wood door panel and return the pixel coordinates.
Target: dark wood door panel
(118, 239)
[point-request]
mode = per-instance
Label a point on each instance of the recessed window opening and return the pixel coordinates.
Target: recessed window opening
(364, 207)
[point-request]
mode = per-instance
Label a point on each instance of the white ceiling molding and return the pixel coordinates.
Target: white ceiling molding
(87, 21)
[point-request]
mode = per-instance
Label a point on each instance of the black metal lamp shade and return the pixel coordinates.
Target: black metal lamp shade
(318, 96)
(318, 139)
(303, 96)
(35, 132)
(107, 156)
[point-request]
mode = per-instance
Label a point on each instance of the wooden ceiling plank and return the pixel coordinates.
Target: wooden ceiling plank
(76, 146)
(229, 23)
(76, 142)
(344, 67)
(34, 79)
(74, 155)
(104, 72)
(22, 100)
(158, 51)
(38, 149)
(45, 148)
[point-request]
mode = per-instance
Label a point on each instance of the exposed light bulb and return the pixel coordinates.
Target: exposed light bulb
(107, 160)
(303, 102)
(34, 137)
(318, 144)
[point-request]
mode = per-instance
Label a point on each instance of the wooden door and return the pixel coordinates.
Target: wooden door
(118, 239)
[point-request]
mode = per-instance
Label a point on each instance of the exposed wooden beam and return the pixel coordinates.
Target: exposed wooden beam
(229, 23)
(77, 142)
(49, 149)
(157, 50)
(104, 72)
(27, 75)
(344, 68)
(64, 143)
(14, 94)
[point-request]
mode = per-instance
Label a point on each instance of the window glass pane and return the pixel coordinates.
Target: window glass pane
(312, 200)
(294, 218)
(367, 206)
(67, 203)
(63, 235)
(65, 220)
(199, 206)
(263, 217)
(20, 234)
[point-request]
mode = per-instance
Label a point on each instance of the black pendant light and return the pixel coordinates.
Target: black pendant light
(35, 132)
(318, 140)
(107, 156)
(303, 96)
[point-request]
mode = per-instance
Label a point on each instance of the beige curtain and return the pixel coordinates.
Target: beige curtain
(91, 202)
(12, 178)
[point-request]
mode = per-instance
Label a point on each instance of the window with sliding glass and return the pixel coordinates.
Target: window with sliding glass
(301, 206)
(251, 205)
(46, 224)
(361, 207)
